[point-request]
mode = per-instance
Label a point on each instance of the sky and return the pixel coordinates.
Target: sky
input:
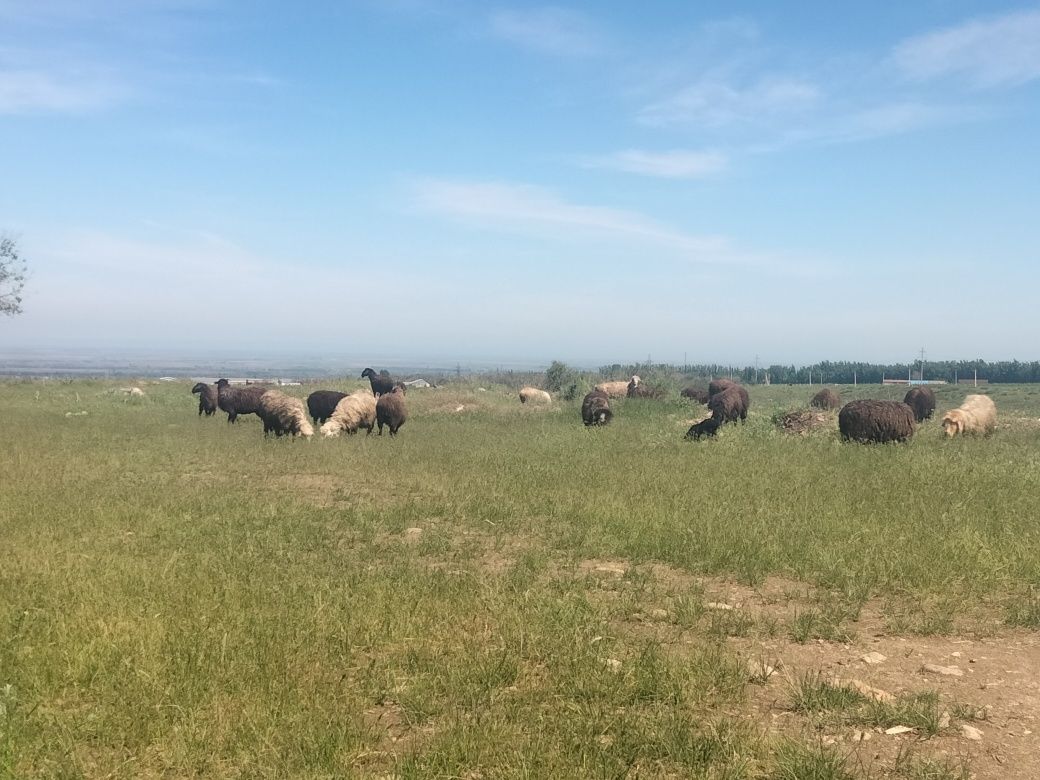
(595, 182)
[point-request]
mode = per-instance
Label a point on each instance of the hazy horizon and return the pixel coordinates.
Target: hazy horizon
(590, 182)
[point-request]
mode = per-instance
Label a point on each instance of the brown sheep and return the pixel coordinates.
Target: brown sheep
(922, 401)
(869, 421)
(718, 385)
(826, 399)
(207, 398)
(391, 411)
(595, 408)
(698, 394)
(239, 400)
(976, 416)
(729, 405)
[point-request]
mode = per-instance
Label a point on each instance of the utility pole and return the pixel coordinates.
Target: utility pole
(756, 369)
(922, 364)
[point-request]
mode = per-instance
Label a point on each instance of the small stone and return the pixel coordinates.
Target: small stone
(869, 691)
(861, 736)
(615, 569)
(970, 732)
(613, 664)
(718, 605)
(873, 658)
(658, 614)
(898, 730)
(945, 671)
(760, 670)
(956, 654)
(944, 720)
(413, 533)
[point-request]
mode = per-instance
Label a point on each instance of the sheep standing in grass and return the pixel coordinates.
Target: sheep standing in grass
(322, 403)
(698, 394)
(595, 408)
(391, 411)
(922, 401)
(381, 382)
(207, 398)
(238, 400)
(617, 389)
(534, 395)
(826, 399)
(718, 385)
(356, 411)
(977, 416)
(730, 405)
(640, 390)
(283, 414)
(870, 421)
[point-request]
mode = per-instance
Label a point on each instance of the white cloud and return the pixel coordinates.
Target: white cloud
(672, 164)
(715, 102)
(35, 91)
(999, 51)
(548, 30)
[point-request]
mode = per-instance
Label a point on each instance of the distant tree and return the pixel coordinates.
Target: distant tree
(12, 277)
(558, 376)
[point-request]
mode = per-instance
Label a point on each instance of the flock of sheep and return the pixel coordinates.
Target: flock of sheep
(335, 412)
(866, 420)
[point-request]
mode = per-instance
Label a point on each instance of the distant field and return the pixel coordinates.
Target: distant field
(500, 592)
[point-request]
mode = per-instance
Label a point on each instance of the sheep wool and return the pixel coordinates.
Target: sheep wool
(283, 414)
(977, 416)
(356, 411)
(533, 394)
(870, 421)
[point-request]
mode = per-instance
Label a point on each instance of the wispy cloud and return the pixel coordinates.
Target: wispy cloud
(671, 164)
(548, 30)
(994, 52)
(39, 91)
(535, 209)
(715, 102)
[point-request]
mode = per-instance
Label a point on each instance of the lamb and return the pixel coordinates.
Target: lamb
(709, 426)
(238, 400)
(381, 382)
(617, 389)
(595, 408)
(283, 414)
(922, 401)
(869, 421)
(730, 405)
(390, 410)
(698, 394)
(355, 411)
(207, 398)
(322, 403)
(976, 416)
(825, 399)
(534, 394)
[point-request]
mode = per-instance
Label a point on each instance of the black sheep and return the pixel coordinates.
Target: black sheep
(595, 408)
(239, 400)
(381, 382)
(869, 421)
(207, 398)
(922, 401)
(709, 426)
(322, 403)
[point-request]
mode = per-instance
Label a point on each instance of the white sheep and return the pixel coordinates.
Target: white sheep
(534, 394)
(356, 411)
(976, 416)
(618, 389)
(283, 414)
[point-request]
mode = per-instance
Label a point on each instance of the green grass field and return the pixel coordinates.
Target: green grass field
(497, 592)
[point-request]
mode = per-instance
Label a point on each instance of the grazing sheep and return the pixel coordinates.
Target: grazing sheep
(698, 394)
(718, 385)
(922, 401)
(825, 399)
(381, 382)
(976, 416)
(869, 421)
(283, 414)
(730, 405)
(322, 403)
(238, 400)
(390, 410)
(617, 389)
(356, 411)
(595, 408)
(709, 426)
(636, 389)
(534, 394)
(207, 397)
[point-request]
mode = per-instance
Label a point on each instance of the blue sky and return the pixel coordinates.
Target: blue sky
(595, 182)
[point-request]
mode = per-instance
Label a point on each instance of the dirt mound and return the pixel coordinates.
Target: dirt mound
(803, 421)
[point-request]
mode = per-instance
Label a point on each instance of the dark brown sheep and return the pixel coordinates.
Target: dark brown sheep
(391, 411)
(322, 403)
(640, 390)
(207, 398)
(718, 385)
(922, 401)
(239, 400)
(698, 394)
(730, 405)
(869, 421)
(595, 408)
(825, 399)
(381, 382)
(706, 427)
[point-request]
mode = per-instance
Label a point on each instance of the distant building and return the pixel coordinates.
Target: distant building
(979, 381)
